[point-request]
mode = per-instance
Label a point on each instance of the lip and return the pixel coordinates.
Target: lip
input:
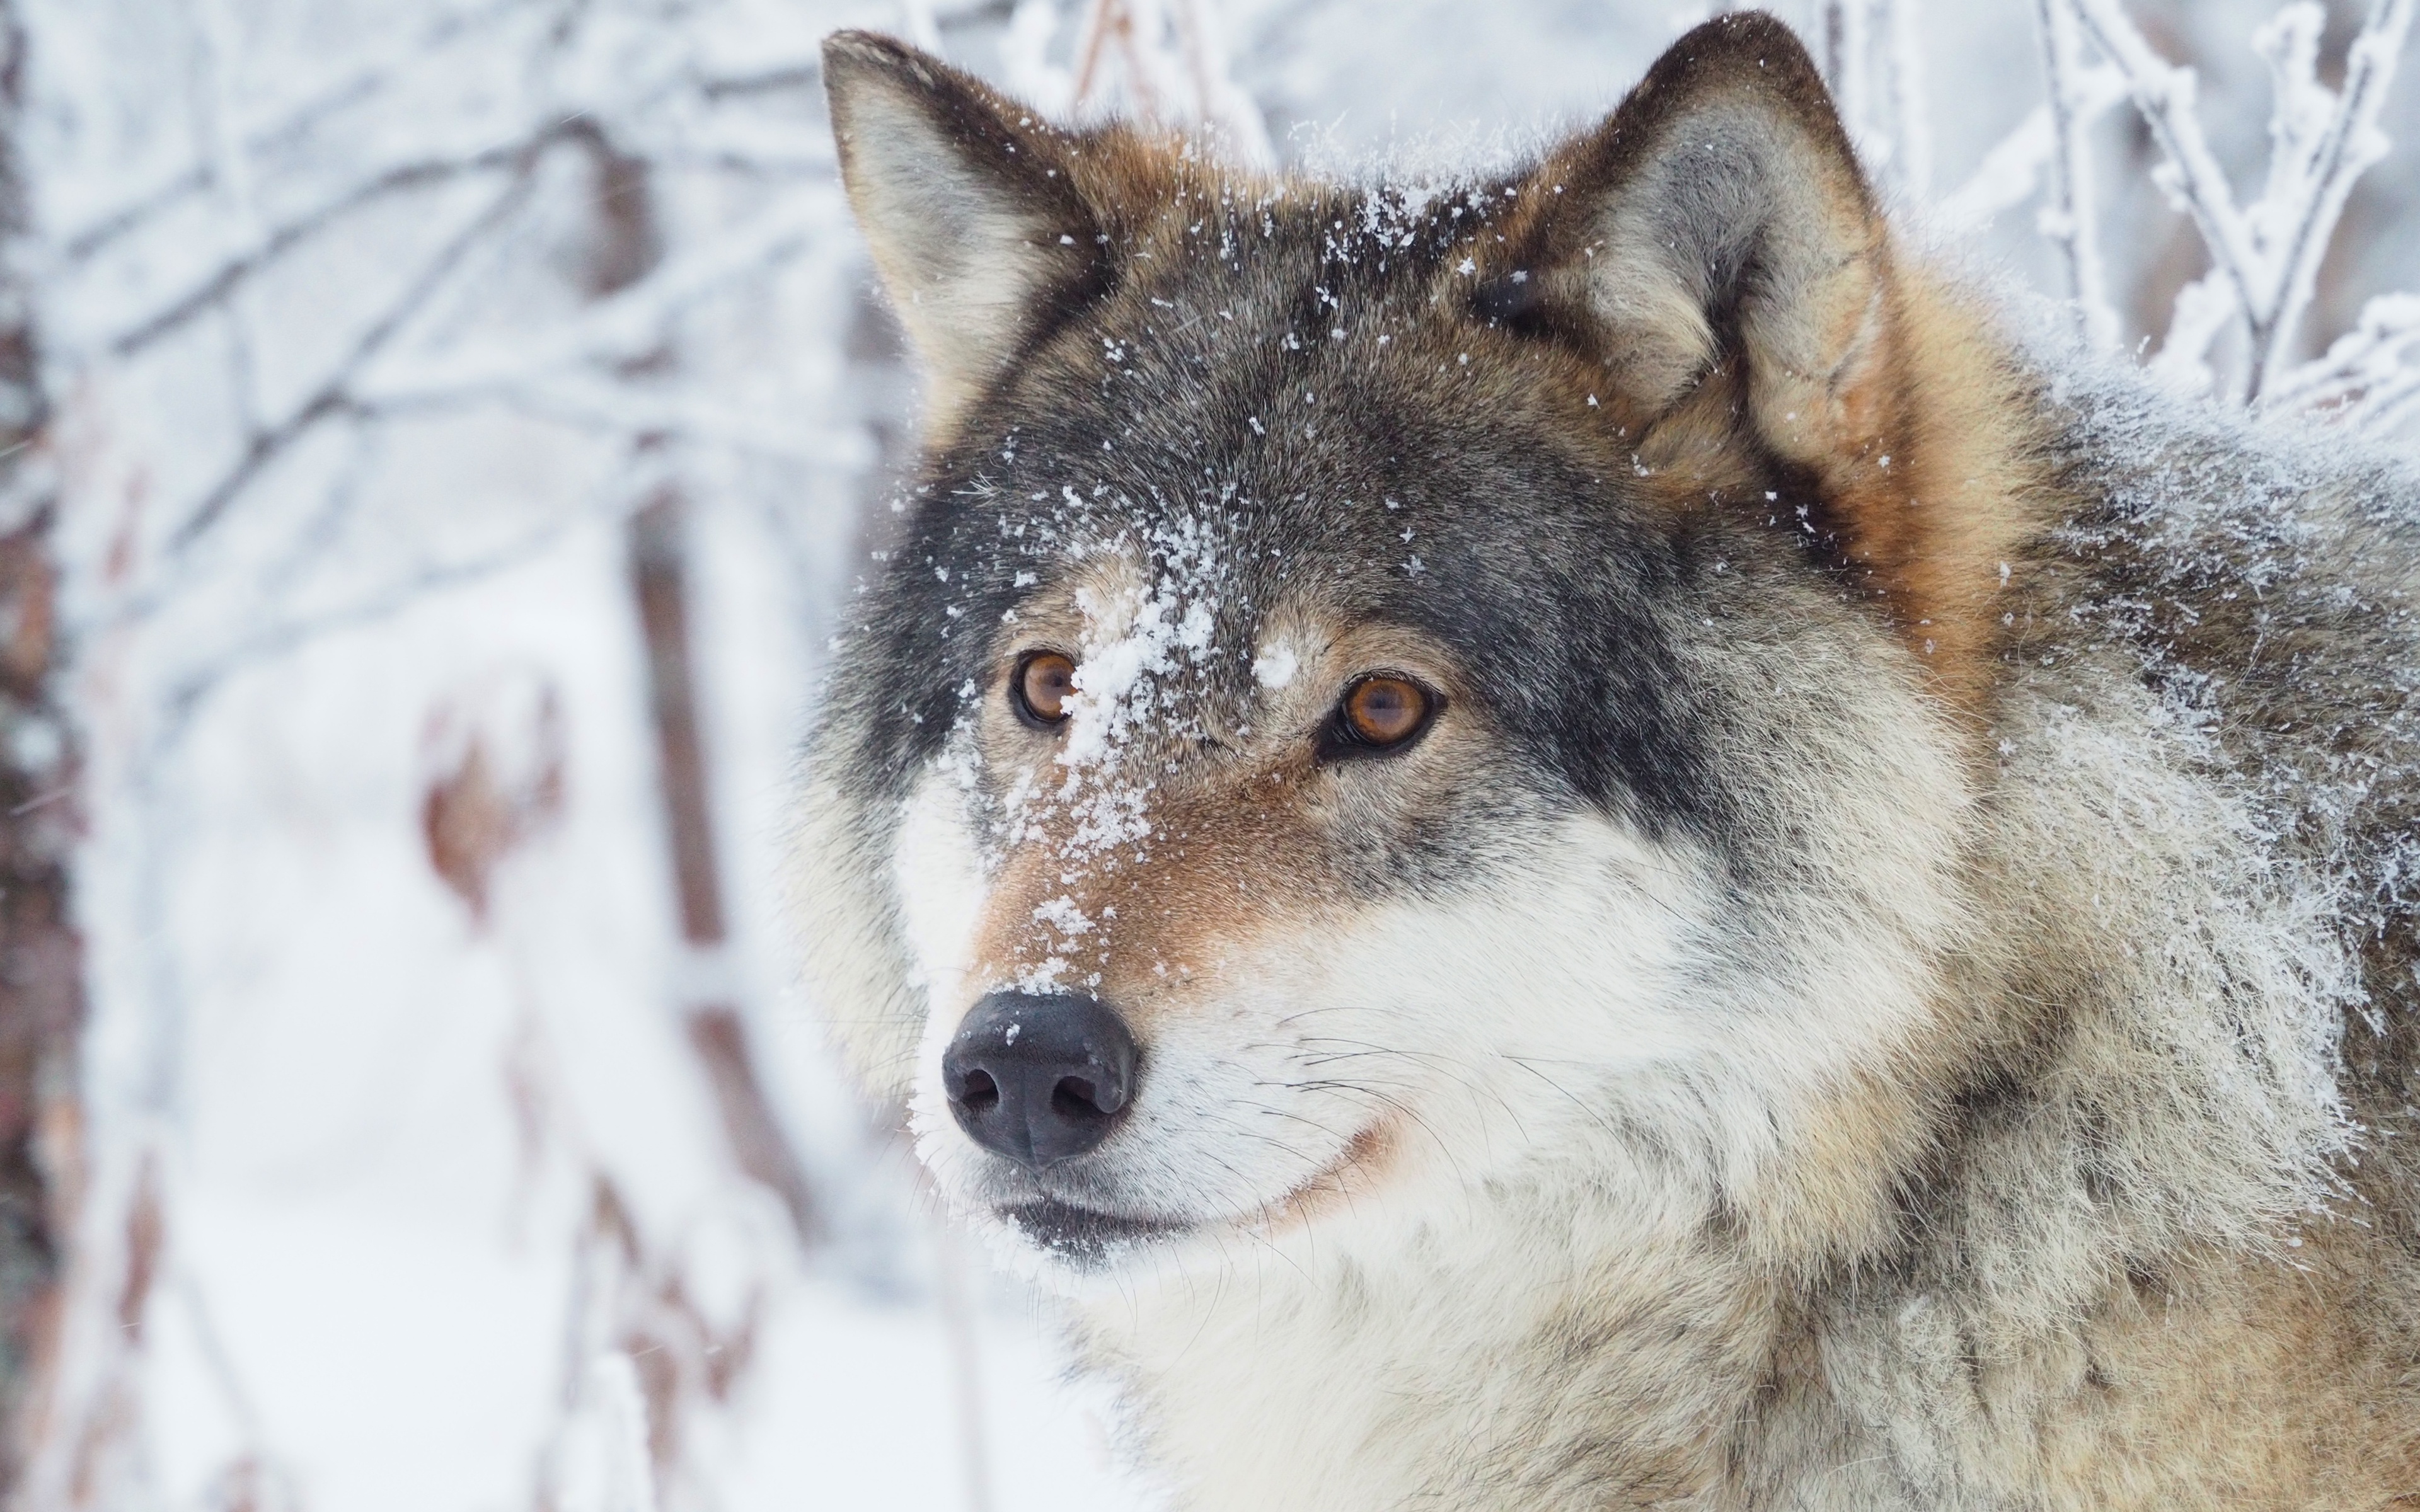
(1094, 1238)
(1084, 1236)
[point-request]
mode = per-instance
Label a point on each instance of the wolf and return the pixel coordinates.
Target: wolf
(1596, 837)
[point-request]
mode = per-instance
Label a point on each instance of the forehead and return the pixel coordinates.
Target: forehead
(1286, 393)
(1274, 418)
(1274, 409)
(1251, 237)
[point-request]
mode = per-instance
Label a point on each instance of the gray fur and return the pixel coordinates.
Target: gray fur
(1889, 982)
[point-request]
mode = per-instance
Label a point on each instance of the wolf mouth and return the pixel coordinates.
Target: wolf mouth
(1092, 1238)
(1086, 1236)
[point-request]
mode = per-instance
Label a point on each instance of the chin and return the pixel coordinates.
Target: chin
(1086, 1240)
(1068, 1243)
(1077, 1250)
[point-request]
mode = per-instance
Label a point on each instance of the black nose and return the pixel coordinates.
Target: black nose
(1039, 1079)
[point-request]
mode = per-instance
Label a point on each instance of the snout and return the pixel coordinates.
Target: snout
(1039, 1079)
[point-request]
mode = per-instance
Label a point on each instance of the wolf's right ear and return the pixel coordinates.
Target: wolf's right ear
(967, 205)
(1717, 217)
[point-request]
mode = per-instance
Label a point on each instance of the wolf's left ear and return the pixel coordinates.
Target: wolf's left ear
(967, 204)
(1717, 215)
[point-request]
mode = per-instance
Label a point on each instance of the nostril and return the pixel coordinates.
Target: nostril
(1074, 1097)
(980, 1093)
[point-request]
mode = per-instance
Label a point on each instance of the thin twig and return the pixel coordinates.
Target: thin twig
(2351, 146)
(330, 396)
(2372, 353)
(1911, 115)
(2071, 219)
(344, 89)
(2163, 96)
(211, 291)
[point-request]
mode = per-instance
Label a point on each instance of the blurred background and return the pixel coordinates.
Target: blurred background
(437, 440)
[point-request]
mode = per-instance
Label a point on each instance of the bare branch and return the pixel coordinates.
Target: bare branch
(2352, 145)
(2072, 218)
(623, 327)
(2365, 361)
(1103, 19)
(277, 241)
(1220, 101)
(332, 396)
(1911, 115)
(805, 74)
(1172, 69)
(2165, 95)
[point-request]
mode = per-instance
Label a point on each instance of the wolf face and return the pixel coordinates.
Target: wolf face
(1387, 689)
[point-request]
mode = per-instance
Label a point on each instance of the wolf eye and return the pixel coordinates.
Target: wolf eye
(1380, 713)
(1039, 688)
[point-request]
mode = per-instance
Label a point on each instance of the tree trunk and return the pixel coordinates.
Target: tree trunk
(42, 955)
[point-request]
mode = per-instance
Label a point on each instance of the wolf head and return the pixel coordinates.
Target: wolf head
(1392, 694)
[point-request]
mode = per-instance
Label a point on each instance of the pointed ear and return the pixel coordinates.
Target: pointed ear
(1717, 215)
(967, 204)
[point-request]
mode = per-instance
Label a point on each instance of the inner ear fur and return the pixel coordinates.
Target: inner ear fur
(968, 207)
(1718, 214)
(1715, 256)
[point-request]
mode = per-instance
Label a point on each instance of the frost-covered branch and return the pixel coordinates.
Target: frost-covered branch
(2265, 258)
(2070, 219)
(274, 243)
(628, 324)
(1846, 50)
(2009, 174)
(384, 65)
(2367, 375)
(2345, 145)
(2012, 173)
(231, 171)
(333, 393)
(1910, 122)
(2165, 95)
(282, 636)
(1874, 68)
(354, 330)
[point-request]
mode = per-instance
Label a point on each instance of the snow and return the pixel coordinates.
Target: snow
(1275, 667)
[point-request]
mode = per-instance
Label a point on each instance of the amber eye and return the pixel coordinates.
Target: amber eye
(1382, 712)
(1041, 687)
